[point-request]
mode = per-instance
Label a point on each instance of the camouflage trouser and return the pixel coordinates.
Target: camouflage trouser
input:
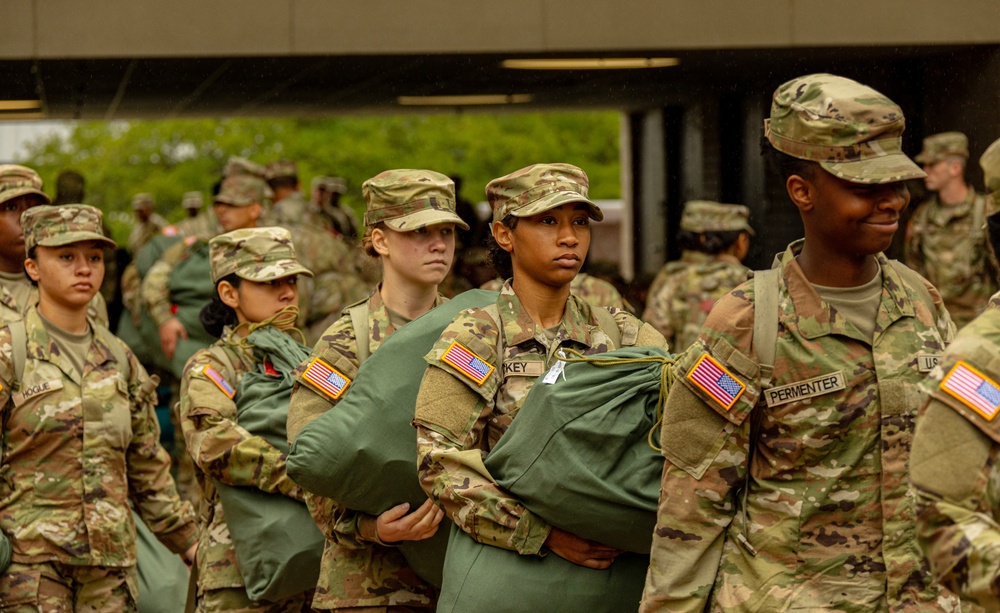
(235, 600)
(53, 587)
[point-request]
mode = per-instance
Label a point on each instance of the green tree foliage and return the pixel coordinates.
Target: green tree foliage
(170, 157)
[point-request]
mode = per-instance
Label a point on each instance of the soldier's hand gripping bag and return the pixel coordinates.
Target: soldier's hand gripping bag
(278, 546)
(163, 576)
(363, 453)
(487, 579)
(579, 454)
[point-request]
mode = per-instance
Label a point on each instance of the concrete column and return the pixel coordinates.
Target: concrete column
(644, 160)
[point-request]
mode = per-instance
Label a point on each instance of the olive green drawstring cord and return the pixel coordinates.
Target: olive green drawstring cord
(285, 317)
(666, 380)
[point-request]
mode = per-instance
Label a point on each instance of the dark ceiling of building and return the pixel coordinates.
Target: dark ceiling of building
(314, 86)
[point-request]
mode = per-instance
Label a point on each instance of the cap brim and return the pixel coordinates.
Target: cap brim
(24, 191)
(557, 199)
(424, 218)
(68, 238)
(273, 270)
(221, 199)
(888, 168)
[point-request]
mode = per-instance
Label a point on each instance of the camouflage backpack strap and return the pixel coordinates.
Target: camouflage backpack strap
(979, 215)
(359, 319)
(609, 325)
(765, 320)
(117, 351)
(18, 350)
(915, 281)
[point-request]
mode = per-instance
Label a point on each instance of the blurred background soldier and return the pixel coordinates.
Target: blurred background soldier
(954, 467)
(148, 222)
(290, 206)
(946, 240)
(689, 290)
(70, 186)
(192, 203)
(340, 219)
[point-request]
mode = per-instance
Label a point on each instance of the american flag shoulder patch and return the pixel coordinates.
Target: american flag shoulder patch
(713, 379)
(973, 389)
(326, 378)
(219, 381)
(467, 363)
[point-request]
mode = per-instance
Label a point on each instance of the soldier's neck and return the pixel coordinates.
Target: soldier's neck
(65, 317)
(543, 303)
(954, 193)
(408, 299)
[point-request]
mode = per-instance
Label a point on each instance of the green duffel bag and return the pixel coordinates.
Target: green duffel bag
(488, 579)
(191, 288)
(278, 546)
(163, 576)
(363, 454)
(581, 452)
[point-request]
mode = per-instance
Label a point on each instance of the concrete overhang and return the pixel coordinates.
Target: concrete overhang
(119, 59)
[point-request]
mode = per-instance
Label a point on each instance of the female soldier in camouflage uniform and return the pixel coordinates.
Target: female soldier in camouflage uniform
(410, 222)
(80, 437)
(487, 359)
(255, 273)
(689, 290)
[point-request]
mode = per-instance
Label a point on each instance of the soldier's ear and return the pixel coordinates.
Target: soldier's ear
(228, 295)
(31, 267)
(802, 192)
(380, 242)
(503, 236)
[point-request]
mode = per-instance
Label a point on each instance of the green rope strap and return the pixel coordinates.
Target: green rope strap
(666, 380)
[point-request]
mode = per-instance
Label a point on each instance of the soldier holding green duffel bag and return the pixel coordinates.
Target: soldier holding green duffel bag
(255, 271)
(487, 360)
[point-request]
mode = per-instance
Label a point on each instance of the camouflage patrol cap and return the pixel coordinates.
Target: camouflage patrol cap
(143, 201)
(192, 200)
(849, 129)
(990, 163)
(242, 190)
(707, 216)
(335, 184)
(944, 145)
(281, 169)
(18, 180)
(537, 188)
(54, 226)
(255, 254)
(237, 166)
(408, 199)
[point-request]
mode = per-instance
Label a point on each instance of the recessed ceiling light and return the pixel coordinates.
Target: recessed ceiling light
(595, 63)
(20, 105)
(477, 99)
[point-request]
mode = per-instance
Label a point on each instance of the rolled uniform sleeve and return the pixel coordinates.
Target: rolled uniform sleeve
(451, 417)
(151, 485)
(219, 446)
(155, 288)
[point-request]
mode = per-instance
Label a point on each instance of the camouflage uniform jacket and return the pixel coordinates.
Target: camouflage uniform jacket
(76, 450)
(143, 232)
(688, 257)
(224, 451)
(459, 420)
(204, 226)
(827, 504)
(357, 569)
(956, 468)
(11, 310)
(686, 295)
(945, 248)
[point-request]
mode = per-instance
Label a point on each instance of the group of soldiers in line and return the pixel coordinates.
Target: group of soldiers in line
(790, 435)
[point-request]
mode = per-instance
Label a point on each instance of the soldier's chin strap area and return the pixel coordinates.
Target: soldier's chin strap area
(283, 320)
